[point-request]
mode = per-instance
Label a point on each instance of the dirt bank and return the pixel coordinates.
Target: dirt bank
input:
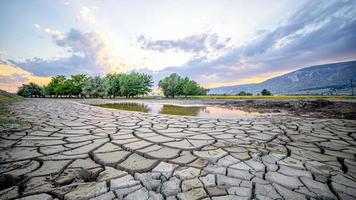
(312, 108)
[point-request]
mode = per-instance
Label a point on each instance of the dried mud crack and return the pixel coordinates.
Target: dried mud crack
(76, 151)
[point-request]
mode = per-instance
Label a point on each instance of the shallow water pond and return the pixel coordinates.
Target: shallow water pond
(184, 110)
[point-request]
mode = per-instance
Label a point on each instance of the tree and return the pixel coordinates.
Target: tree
(95, 87)
(75, 84)
(146, 83)
(265, 92)
(30, 90)
(56, 86)
(171, 85)
(174, 85)
(242, 93)
(112, 84)
(134, 84)
(190, 87)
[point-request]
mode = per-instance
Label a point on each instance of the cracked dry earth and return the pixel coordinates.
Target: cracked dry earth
(76, 151)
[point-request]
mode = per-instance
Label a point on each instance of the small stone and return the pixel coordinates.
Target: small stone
(171, 187)
(149, 180)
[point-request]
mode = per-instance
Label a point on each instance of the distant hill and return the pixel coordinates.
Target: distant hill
(331, 78)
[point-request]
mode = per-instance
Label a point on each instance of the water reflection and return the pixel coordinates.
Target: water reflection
(181, 110)
(128, 106)
(184, 110)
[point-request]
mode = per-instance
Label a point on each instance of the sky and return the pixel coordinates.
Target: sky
(216, 43)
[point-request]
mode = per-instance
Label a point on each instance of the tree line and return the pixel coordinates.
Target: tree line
(110, 86)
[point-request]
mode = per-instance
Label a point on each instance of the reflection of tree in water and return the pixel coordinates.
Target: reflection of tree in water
(180, 110)
(205, 109)
(129, 106)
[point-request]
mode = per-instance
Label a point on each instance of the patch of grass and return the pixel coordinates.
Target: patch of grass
(5, 117)
(8, 98)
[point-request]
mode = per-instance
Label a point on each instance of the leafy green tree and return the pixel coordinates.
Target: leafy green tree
(56, 86)
(174, 85)
(265, 92)
(134, 84)
(243, 93)
(30, 90)
(113, 84)
(95, 87)
(190, 87)
(146, 83)
(74, 85)
(171, 85)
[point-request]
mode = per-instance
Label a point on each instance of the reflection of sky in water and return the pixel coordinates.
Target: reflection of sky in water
(184, 110)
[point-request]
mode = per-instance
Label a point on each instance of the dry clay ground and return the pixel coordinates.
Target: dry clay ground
(76, 151)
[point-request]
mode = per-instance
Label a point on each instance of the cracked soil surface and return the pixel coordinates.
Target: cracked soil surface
(72, 150)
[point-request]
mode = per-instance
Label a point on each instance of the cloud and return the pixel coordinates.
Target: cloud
(87, 15)
(13, 77)
(53, 33)
(198, 44)
(318, 32)
(87, 54)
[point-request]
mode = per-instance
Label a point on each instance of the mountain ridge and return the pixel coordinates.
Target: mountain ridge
(331, 78)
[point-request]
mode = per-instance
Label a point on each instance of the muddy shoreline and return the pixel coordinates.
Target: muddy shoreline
(310, 108)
